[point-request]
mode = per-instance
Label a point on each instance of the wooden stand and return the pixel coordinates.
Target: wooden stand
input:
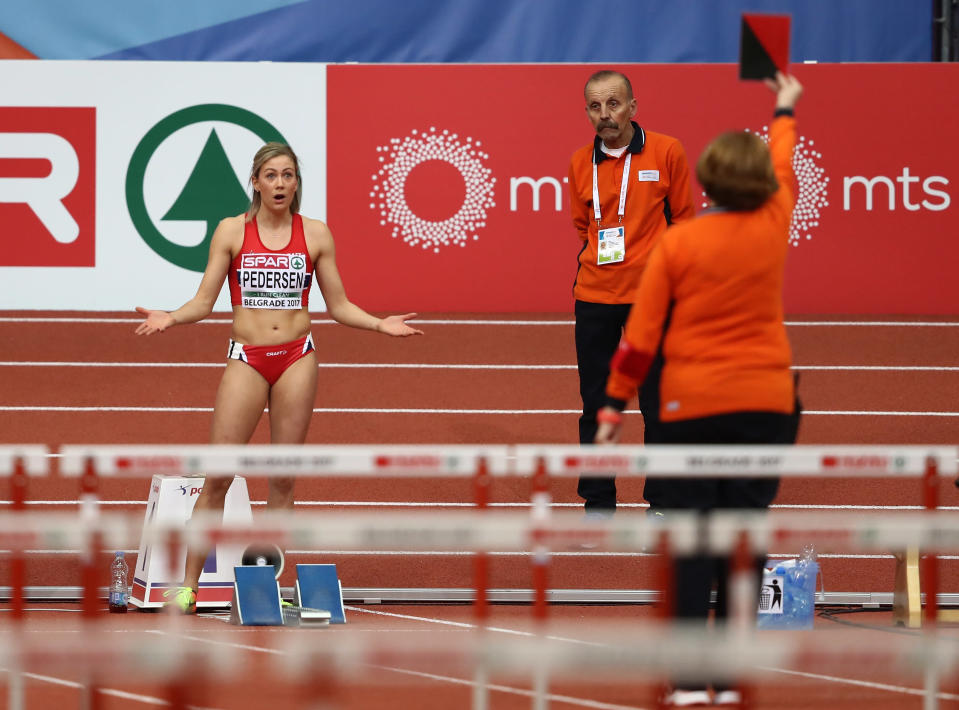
(907, 599)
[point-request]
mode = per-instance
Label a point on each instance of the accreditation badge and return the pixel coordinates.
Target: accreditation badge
(612, 245)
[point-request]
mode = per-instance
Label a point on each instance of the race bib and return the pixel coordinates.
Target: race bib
(274, 281)
(612, 245)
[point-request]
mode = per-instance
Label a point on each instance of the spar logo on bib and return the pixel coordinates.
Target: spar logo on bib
(183, 178)
(272, 261)
(272, 280)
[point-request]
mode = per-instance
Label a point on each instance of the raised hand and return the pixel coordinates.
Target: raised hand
(787, 89)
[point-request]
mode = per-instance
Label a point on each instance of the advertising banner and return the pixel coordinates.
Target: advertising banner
(447, 184)
(113, 175)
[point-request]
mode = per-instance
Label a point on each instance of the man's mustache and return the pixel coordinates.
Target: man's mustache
(605, 124)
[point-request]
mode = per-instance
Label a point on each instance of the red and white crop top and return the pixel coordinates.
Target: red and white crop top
(266, 278)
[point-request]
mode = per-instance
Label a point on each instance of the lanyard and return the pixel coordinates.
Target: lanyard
(622, 192)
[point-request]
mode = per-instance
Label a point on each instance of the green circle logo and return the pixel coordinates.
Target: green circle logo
(212, 191)
(297, 262)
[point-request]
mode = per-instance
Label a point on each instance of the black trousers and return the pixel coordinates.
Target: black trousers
(599, 328)
(695, 576)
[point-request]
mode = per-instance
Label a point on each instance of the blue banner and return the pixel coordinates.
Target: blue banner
(468, 31)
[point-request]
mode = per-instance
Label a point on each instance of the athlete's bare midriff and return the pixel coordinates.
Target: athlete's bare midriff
(268, 326)
(254, 326)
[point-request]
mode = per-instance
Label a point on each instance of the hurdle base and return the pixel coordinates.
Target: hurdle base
(907, 595)
(906, 599)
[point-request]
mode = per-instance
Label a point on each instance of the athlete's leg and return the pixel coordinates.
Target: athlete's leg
(240, 401)
(291, 407)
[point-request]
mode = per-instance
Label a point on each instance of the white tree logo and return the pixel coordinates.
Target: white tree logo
(812, 184)
(398, 160)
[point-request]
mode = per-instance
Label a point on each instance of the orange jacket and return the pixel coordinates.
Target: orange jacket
(719, 280)
(651, 206)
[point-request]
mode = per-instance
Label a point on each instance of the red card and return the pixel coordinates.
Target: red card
(764, 46)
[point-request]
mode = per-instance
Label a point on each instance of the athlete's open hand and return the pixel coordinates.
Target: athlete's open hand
(156, 321)
(397, 327)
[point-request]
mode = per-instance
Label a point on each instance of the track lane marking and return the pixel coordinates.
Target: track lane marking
(113, 692)
(848, 681)
(482, 321)
(448, 366)
(861, 683)
(581, 702)
(386, 410)
(447, 504)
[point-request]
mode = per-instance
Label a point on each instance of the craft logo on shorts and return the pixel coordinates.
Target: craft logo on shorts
(48, 185)
(209, 190)
(402, 158)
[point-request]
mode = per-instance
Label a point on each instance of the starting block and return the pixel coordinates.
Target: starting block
(256, 597)
(318, 587)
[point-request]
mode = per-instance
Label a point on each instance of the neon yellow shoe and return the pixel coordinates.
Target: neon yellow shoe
(182, 598)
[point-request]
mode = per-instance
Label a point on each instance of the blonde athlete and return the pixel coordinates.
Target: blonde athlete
(270, 255)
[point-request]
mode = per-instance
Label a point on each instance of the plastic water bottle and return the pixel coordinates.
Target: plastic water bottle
(807, 570)
(118, 584)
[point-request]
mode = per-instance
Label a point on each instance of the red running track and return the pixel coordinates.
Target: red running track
(59, 381)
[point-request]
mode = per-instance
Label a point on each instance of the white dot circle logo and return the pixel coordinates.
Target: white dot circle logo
(812, 186)
(401, 156)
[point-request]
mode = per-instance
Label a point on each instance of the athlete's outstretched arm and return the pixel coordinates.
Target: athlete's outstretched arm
(339, 306)
(201, 305)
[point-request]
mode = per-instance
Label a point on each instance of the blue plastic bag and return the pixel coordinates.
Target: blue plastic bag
(787, 597)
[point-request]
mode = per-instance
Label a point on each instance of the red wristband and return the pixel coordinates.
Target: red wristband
(609, 416)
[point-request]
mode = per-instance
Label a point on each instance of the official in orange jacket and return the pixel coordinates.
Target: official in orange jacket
(711, 299)
(625, 189)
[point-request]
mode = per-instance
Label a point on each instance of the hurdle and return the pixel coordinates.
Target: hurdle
(927, 464)
(19, 463)
(936, 532)
(910, 461)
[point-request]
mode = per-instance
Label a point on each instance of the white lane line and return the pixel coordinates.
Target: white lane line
(862, 683)
(450, 366)
(446, 504)
(480, 321)
(321, 365)
(873, 323)
(867, 684)
(314, 321)
(493, 553)
(581, 702)
(385, 410)
(146, 699)
(550, 697)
